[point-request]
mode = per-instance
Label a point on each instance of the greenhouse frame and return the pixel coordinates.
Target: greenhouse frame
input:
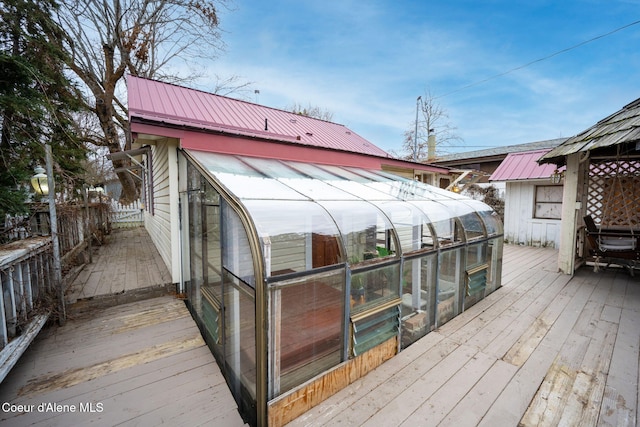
(293, 268)
(307, 255)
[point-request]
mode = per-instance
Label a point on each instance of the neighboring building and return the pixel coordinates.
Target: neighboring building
(305, 262)
(488, 160)
(533, 204)
(485, 162)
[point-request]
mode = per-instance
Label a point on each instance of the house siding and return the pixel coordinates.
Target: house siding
(159, 223)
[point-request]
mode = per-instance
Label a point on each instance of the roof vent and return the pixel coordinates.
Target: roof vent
(293, 120)
(309, 134)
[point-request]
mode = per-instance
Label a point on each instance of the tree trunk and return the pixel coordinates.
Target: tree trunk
(130, 189)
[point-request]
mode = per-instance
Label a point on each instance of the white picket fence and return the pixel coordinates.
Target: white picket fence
(125, 216)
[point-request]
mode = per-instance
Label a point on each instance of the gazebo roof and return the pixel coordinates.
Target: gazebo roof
(622, 127)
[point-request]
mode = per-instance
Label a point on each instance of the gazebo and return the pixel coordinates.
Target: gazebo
(601, 202)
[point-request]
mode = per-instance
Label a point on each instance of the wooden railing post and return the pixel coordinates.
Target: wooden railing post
(57, 267)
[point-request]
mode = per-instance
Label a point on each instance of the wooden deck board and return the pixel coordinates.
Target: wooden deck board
(138, 364)
(127, 261)
(545, 348)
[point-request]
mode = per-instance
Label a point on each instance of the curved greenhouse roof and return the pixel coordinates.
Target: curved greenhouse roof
(296, 269)
(287, 199)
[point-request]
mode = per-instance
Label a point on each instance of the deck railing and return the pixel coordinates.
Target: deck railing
(29, 291)
(27, 295)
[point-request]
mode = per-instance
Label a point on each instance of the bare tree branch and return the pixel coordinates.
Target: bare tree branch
(107, 38)
(433, 120)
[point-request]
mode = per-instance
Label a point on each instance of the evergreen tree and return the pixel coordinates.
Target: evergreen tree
(36, 100)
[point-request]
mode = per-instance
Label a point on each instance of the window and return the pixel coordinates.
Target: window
(548, 203)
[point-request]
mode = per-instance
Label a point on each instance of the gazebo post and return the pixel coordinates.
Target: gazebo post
(572, 206)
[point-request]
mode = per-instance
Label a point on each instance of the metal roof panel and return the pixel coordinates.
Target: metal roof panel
(520, 166)
(167, 103)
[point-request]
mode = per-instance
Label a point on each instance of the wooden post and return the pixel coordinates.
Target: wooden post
(87, 223)
(571, 204)
(57, 268)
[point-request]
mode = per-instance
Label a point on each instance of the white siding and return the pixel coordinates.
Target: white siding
(520, 227)
(290, 252)
(163, 224)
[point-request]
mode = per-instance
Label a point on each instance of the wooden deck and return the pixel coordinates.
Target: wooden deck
(137, 363)
(127, 264)
(142, 363)
(544, 349)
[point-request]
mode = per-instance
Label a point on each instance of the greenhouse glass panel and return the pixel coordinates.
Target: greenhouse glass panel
(374, 286)
(494, 259)
(195, 223)
(296, 236)
(240, 341)
(307, 328)
(418, 298)
(414, 190)
(401, 188)
(471, 222)
(243, 180)
(354, 184)
(306, 185)
(252, 187)
(366, 232)
(449, 285)
(492, 221)
(236, 256)
(443, 220)
(410, 223)
(476, 271)
(374, 329)
(204, 288)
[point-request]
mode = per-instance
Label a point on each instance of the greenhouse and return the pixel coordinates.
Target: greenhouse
(292, 270)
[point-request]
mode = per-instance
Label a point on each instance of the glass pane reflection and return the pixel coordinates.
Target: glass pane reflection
(296, 237)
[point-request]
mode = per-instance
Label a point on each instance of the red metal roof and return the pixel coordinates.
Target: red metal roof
(173, 105)
(517, 166)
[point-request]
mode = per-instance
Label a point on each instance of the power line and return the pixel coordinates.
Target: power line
(538, 60)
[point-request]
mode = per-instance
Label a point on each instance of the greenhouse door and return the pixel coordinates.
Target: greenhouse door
(219, 283)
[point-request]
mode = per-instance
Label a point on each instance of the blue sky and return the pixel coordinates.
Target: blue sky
(368, 61)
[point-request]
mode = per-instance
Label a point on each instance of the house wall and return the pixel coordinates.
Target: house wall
(161, 228)
(520, 226)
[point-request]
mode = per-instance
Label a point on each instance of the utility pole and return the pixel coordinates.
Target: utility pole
(415, 140)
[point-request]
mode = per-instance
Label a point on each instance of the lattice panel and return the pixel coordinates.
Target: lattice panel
(614, 193)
